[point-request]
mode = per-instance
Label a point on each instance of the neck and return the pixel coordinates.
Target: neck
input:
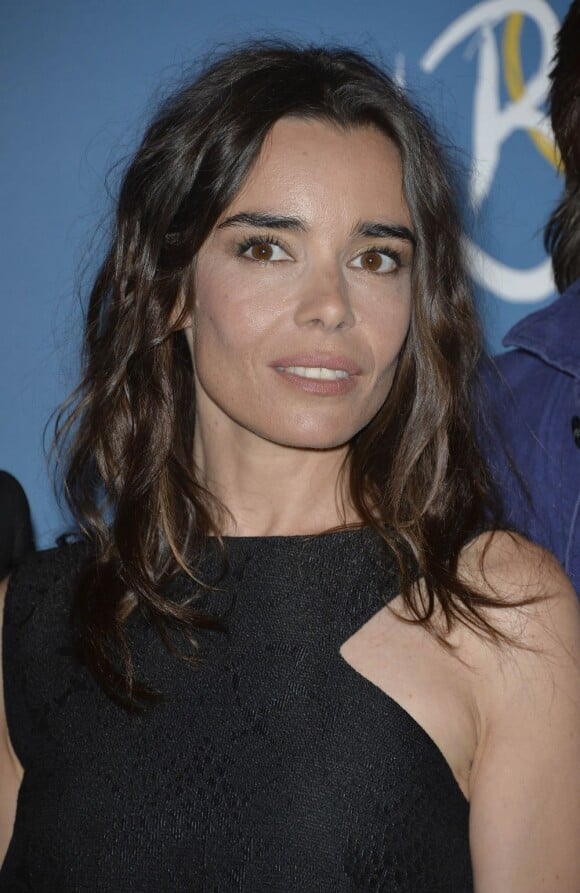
(272, 490)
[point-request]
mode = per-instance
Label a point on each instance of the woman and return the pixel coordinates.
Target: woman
(279, 345)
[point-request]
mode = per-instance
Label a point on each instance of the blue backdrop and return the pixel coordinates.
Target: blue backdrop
(78, 81)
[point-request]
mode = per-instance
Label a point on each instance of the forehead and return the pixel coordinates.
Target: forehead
(318, 168)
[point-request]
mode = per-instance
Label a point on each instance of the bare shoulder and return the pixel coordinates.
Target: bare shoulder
(507, 558)
(524, 783)
(539, 608)
(537, 613)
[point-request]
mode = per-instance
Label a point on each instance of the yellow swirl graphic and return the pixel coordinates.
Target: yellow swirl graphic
(514, 78)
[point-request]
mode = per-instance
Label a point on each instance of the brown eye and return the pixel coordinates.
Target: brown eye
(371, 260)
(374, 261)
(263, 251)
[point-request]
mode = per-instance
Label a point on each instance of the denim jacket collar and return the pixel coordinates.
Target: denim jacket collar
(552, 333)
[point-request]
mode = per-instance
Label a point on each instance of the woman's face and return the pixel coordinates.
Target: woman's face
(302, 292)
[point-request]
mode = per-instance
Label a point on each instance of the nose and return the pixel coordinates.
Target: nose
(324, 301)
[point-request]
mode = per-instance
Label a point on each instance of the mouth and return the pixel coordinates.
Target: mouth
(319, 373)
(318, 365)
(322, 376)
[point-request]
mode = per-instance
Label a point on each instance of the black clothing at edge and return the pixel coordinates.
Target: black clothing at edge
(16, 536)
(272, 767)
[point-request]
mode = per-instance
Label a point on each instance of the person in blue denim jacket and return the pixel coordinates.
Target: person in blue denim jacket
(536, 390)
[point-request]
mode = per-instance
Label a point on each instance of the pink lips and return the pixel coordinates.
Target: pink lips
(321, 387)
(319, 360)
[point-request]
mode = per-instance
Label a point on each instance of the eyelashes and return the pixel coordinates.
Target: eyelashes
(257, 240)
(371, 259)
(368, 260)
(262, 248)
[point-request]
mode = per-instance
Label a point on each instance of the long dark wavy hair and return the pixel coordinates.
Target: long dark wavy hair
(562, 235)
(415, 472)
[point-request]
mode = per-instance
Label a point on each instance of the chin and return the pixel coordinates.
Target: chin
(312, 437)
(329, 430)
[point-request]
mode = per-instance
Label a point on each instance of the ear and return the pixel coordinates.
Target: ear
(181, 313)
(182, 317)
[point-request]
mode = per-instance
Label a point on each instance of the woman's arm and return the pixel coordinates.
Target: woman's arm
(10, 769)
(525, 780)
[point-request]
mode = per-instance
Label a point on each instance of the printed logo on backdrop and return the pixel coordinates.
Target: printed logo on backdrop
(499, 55)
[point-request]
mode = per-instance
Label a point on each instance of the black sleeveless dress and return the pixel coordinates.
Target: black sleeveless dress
(271, 767)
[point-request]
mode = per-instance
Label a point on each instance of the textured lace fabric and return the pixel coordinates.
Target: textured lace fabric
(271, 767)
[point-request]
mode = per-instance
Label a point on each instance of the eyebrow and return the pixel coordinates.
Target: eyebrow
(276, 221)
(384, 231)
(268, 221)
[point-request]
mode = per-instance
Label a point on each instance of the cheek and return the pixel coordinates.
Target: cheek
(391, 331)
(229, 311)
(218, 325)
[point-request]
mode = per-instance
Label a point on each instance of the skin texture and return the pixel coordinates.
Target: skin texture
(507, 719)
